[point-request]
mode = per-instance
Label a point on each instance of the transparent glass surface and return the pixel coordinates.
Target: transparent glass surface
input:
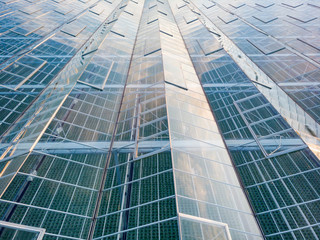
(134, 119)
(268, 154)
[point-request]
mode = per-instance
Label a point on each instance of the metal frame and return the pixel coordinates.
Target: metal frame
(40, 231)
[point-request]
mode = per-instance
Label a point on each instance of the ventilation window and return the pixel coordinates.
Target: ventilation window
(189, 18)
(162, 10)
(237, 5)
(208, 5)
(112, 20)
(176, 85)
(166, 30)
(30, 10)
(316, 5)
(64, 10)
(173, 73)
(27, 28)
(152, 18)
(214, 33)
(265, 18)
(98, 9)
(293, 4)
(17, 73)
(73, 29)
(23, 231)
(96, 75)
(302, 17)
(151, 46)
(209, 46)
(181, 5)
(266, 45)
(195, 11)
(201, 228)
(310, 42)
(152, 5)
(117, 33)
(228, 18)
(130, 13)
(265, 4)
(123, 5)
(8, 1)
(118, 30)
(163, 13)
